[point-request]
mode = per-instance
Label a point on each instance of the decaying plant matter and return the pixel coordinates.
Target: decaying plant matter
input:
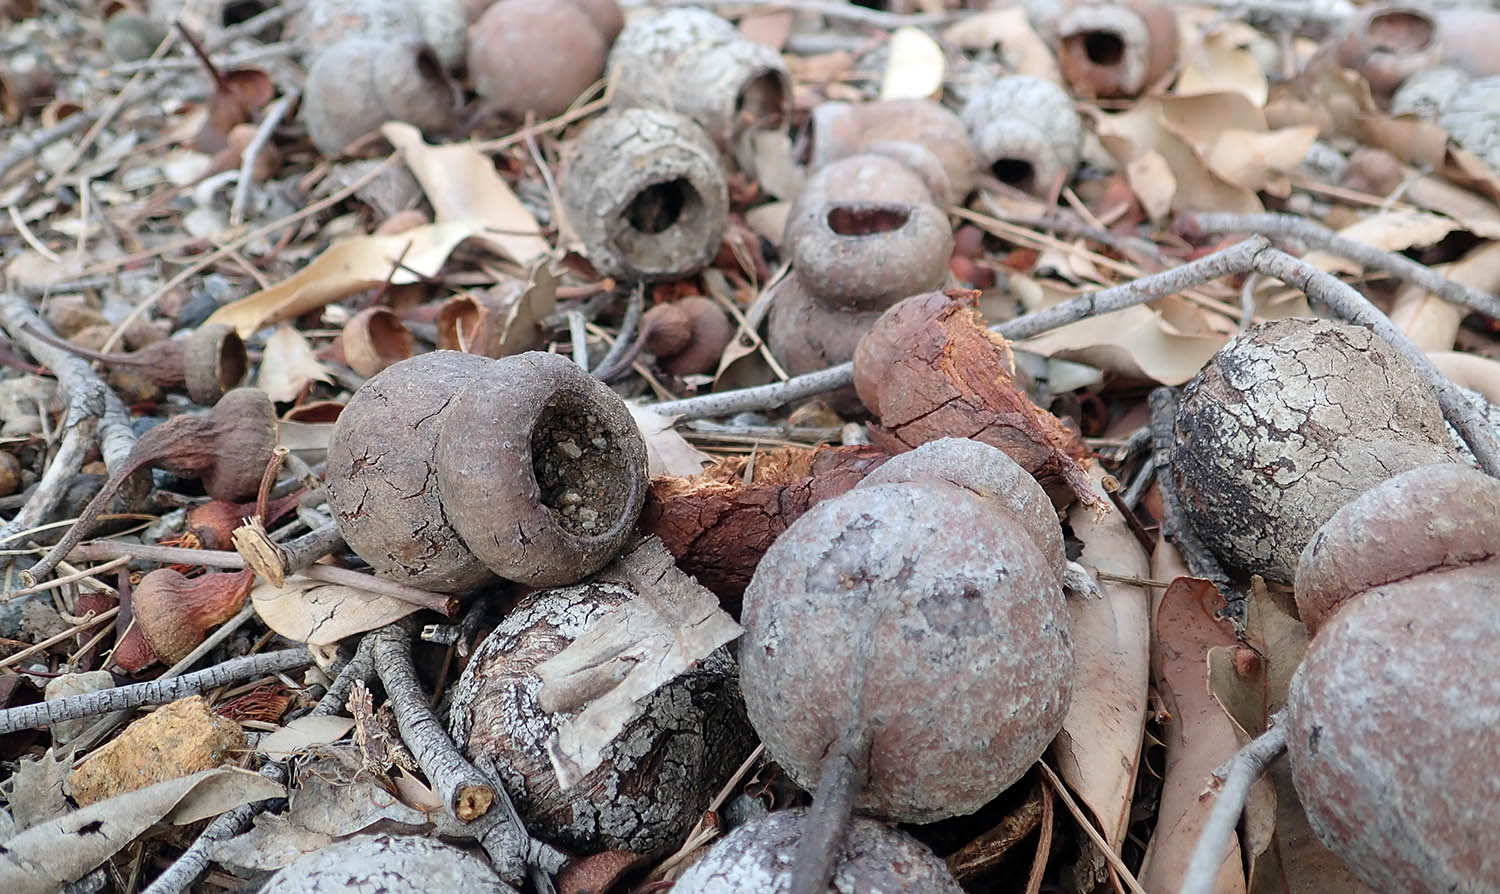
(929, 369)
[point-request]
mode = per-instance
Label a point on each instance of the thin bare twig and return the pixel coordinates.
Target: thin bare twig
(24, 147)
(1238, 774)
(465, 791)
(263, 133)
(153, 692)
(1315, 234)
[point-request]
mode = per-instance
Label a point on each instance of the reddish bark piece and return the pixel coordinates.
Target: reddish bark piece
(930, 369)
(719, 526)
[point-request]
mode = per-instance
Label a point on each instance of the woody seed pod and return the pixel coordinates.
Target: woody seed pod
(360, 83)
(1025, 131)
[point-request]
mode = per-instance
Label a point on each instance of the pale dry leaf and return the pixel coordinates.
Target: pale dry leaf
(334, 798)
(768, 221)
(1217, 64)
(916, 66)
(270, 844)
(1470, 371)
(1433, 323)
(288, 365)
(619, 660)
(667, 452)
(462, 184)
(1134, 343)
(36, 788)
(345, 267)
(1146, 128)
(308, 611)
(1249, 159)
(1387, 231)
(47, 856)
(1098, 751)
(1009, 30)
(1473, 213)
(1152, 182)
(1203, 118)
(302, 733)
(1200, 736)
(1236, 679)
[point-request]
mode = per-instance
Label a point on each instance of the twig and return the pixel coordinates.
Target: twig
(467, 794)
(1110, 857)
(1237, 258)
(1238, 774)
(53, 640)
(153, 692)
(578, 333)
(24, 147)
(1463, 413)
(333, 574)
(1315, 234)
(633, 307)
(503, 835)
(268, 125)
(1200, 560)
(98, 550)
(56, 582)
(192, 862)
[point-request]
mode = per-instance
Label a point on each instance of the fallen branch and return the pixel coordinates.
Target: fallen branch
(1319, 236)
(465, 791)
(1238, 774)
(153, 692)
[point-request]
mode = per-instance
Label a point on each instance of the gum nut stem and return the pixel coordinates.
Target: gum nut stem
(646, 191)
(359, 84)
(1025, 132)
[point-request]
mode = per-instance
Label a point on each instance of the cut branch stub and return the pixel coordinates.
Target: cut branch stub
(1025, 132)
(1288, 422)
(646, 192)
(448, 469)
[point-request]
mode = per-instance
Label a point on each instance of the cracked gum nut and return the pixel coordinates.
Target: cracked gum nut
(448, 469)
(1288, 422)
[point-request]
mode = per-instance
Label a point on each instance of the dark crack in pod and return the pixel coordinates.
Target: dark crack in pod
(872, 857)
(542, 469)
(920, 133)
(1025, 132)
(1286, 423)
(360, 83)
(381, 479)
(646, 192)
(656, 778)
(694, 63)
(1392, 715)
(959, 616)
(386, 864)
